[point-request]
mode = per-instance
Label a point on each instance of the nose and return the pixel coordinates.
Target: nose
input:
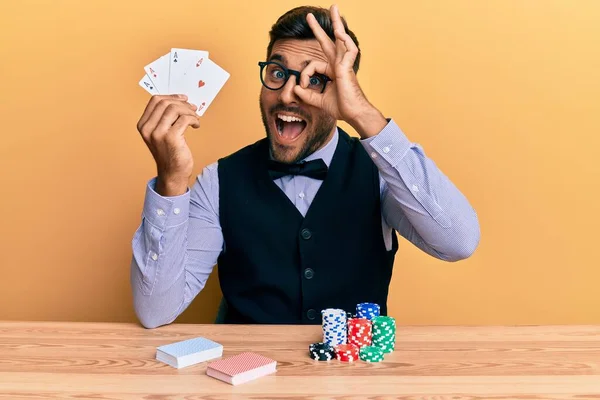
(286, 94)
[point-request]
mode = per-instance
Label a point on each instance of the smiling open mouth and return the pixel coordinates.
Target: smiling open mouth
(289, 127)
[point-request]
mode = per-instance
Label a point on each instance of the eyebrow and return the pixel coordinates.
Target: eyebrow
(279, 57)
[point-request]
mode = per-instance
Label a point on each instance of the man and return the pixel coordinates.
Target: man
(304, 219)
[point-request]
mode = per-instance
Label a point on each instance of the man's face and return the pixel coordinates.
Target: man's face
(293, 141)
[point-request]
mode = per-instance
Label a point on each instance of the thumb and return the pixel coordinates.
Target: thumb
(310, 97)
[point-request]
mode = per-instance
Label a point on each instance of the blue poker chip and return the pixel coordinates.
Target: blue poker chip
(368, 310)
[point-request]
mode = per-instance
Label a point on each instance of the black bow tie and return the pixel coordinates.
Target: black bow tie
(313, 169)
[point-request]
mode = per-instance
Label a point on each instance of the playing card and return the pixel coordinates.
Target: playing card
(147, 84)
(181, 61)
(158, 72)
(190, 346)
(202, 84)
(188, 352)
(241, 368)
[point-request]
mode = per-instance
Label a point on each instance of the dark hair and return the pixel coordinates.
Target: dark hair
(293, 25)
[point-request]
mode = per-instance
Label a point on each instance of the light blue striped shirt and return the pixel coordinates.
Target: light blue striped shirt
(179, 240)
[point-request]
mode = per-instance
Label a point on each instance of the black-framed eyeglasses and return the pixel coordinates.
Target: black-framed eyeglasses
(274, 76)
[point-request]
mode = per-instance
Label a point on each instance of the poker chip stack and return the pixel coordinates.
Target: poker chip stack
(321, 352)
(359, 332)
(367, 310)
(334, 326)
(346, 352)
(384, 333)
(371, 354)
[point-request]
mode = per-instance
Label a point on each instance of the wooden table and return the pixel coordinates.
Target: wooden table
(116, 361)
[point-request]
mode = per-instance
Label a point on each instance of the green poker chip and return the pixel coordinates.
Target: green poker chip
(371, 354)
(384, 333)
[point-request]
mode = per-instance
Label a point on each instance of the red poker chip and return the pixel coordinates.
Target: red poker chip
(347, 358)
(347, 352)
(360, 332)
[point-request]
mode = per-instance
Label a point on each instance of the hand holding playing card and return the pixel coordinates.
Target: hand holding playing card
(172, 79)
(162, 126)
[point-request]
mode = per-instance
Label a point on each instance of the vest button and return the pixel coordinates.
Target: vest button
(306, 234)
(309, 273)
(311, 314)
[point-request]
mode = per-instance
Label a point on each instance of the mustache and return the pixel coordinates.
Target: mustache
(294, 110)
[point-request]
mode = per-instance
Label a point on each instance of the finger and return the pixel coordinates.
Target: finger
(164, 118)
(338, 28)
(339, 32)
(154, 110)
(157, 113)
(170, 116)
(160, 108)
(336, 19)
(349, 56)
(325, 41)
(183, 122)
(340, 48)
(154, 101)
(314, 67)
(308, 96)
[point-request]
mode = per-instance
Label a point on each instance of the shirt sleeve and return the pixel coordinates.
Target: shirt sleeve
(418, 200)
(175, 249)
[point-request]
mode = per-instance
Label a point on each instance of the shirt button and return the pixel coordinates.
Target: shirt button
(373, 155)
(415, 188)
(176, 211)
(160, 212)
(311, 314)
(301, 195)
(386, 149)
(154, 256)
(309, 273)
(306, 234)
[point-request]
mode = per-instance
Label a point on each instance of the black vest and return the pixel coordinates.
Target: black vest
(278, 267)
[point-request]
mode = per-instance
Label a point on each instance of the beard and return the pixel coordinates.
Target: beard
(321, 125)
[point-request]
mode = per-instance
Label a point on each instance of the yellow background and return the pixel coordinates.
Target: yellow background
(502, 95)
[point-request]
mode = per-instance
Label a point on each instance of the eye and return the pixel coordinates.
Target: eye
(277, 74)
(315, 80)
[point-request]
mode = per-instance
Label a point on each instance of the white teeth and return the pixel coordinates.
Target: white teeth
(289, 118)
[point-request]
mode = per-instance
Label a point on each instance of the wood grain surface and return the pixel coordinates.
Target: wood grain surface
(41, 360)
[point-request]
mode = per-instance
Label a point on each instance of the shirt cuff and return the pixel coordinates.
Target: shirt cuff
(388, 147)
(165, 212)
